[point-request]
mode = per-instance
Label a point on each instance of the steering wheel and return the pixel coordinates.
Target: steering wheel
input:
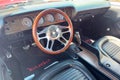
(53, 34)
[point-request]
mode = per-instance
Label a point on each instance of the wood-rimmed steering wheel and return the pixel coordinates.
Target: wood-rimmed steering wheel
(53, 33)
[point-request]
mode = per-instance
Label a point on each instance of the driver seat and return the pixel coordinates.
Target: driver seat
(67, 70)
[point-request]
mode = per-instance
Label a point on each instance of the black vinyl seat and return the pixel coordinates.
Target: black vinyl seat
(109, 46)
(109, 53)
(67, 70)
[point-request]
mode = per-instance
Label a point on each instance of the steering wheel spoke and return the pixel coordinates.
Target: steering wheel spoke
(42, 32)
(63, 40)
(52, 43)
(65, 29)
(48, 45)
(40, 38)
(64, 32)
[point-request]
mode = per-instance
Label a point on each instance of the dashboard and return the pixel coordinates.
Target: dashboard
(24, 22)
(18, 19)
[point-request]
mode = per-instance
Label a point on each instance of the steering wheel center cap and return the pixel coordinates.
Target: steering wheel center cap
(53, 32)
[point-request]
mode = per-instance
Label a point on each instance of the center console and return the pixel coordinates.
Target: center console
(91, 55)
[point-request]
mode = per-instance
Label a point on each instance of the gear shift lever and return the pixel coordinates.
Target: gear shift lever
(78, 38)
(74, 49)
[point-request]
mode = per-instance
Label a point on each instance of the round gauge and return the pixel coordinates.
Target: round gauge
(27, 22)
(41, 21)
(60, 16)
(50, 18)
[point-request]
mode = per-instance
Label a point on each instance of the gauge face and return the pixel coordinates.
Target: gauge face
(50, 18)
(27, 22)
(60, 16)
(41, 21)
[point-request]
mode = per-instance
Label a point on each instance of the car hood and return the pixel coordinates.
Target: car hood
(8, 2)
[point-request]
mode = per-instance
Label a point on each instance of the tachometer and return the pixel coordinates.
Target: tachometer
(60, 16)
(27, 21)
(50, 18)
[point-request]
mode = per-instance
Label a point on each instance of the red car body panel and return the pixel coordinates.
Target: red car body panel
(7, 2)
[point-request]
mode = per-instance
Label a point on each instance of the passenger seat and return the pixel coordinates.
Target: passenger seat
(109, 53)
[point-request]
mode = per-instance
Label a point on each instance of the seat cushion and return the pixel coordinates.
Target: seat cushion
(109, 46)
(67, 70)
(70, 74)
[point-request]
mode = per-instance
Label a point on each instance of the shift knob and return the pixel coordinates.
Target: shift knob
(78, 38)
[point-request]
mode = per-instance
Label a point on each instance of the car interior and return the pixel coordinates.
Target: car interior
(60, 40)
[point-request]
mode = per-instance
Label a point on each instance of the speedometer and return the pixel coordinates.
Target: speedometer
(27, 21)
(50, 18)
(41, 21)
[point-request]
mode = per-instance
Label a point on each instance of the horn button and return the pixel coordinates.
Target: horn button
(54, 32)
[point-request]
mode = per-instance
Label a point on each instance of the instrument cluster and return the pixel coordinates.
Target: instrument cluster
(45, 20)
(22, 22)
